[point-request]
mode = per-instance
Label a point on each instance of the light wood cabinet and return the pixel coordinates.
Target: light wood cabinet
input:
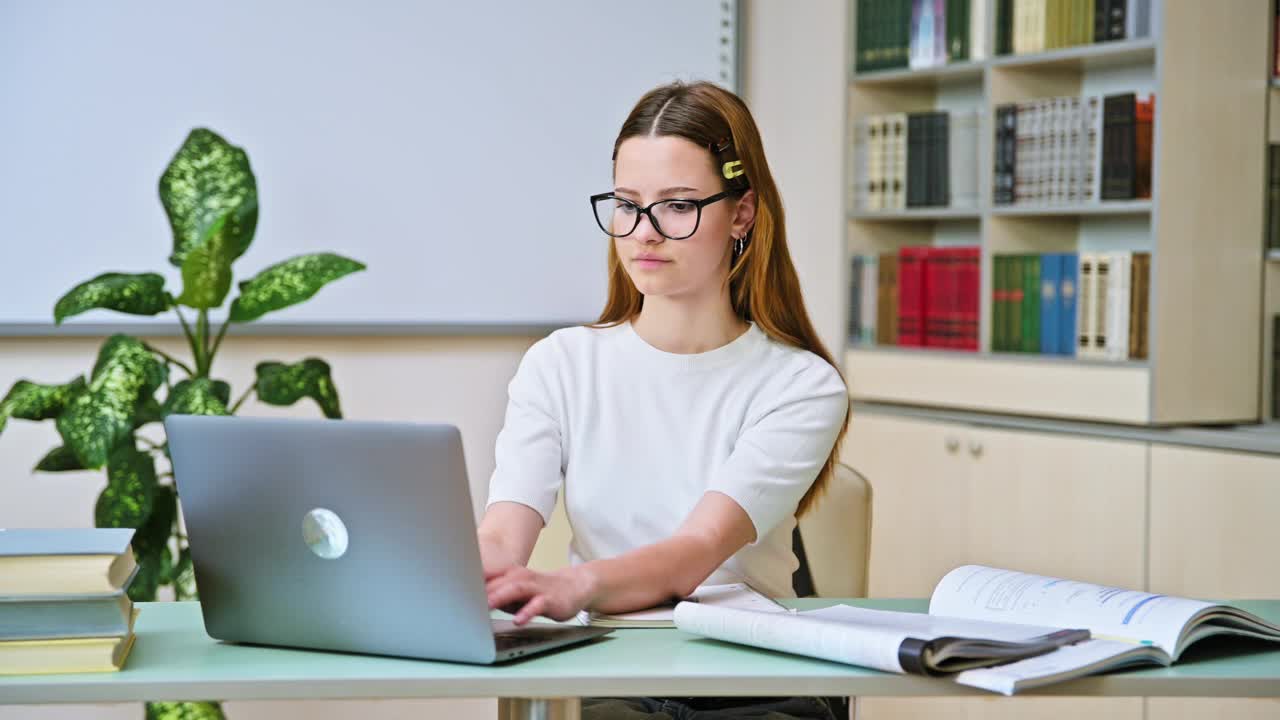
(945, 494)
(1214, 532)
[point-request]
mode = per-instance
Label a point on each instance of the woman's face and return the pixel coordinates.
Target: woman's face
(649, 169)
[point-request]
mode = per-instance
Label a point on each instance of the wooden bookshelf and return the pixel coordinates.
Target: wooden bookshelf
(1083, 57)
(1204, 359)
(924, 214)
(1115, 207)
(924, 77)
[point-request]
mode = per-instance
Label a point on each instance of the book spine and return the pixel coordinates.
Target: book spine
(1141, 284)
(1101, 11)
(870, 272)
(915, 160)
(1101, 307)
(934, 333)
(1119, 147)
(911, 296)
(1050, 309)
(1144, 118)
(1004, 28)
(1273, 197)
(978, 29)
(855, 298)
(1086, 317)
(972, 296)
(1068, 290)
(1116, 12)
(889, 262)
(1031, 303)
(1118, 304)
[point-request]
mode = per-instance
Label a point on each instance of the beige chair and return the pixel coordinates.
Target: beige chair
(837, 536)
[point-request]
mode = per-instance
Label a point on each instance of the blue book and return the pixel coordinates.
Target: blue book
(1050, 303)
(1068, 291)
(65, 561)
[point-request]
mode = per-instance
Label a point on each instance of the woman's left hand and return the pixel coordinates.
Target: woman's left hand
(526, 593)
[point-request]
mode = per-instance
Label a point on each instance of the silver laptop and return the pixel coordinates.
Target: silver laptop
(341, 535)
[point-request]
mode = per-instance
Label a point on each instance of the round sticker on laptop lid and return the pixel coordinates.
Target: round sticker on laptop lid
(324, 532)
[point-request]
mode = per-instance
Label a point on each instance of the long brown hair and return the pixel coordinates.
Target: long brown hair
(763, 286)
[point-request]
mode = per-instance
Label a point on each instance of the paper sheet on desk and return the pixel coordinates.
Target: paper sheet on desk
(733, 595)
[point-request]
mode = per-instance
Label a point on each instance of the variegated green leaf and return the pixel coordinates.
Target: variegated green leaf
(184, 577)
(152, 568)
(198, 396)
(127, 500)
(207, 179)
(32, 401)
(99, 419)
(59, 459)
(155, 532)
(184, 711)
(289, 283)
(206, 273)
(141, 294)
(280, 384)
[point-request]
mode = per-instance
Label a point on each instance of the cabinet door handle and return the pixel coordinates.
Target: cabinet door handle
(975, 448)
(953, 443)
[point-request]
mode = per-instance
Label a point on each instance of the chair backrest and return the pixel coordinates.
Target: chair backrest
(837, 536)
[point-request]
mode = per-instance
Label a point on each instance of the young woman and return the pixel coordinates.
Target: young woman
(699, 416)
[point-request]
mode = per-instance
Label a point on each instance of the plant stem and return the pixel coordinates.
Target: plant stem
(243, 397)
(168, 357)
(202, 337)
(222, 332)
(191, 339)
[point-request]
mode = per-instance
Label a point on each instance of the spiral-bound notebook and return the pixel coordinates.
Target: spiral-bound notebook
(739, 596)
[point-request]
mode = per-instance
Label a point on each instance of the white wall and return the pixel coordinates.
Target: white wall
(794, 84)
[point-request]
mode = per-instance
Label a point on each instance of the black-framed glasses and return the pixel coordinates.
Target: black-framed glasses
(674, 218)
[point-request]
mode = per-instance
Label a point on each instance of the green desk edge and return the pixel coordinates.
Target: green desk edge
(175, 660)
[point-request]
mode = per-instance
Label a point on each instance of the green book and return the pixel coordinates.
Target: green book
(1014, 309)
(999, 301)
(1031, 304)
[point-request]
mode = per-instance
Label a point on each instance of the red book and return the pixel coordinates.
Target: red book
(1144, 113)
(911, 294)
(970, 295)
(935, 331)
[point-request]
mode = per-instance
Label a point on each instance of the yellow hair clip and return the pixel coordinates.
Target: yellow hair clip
(732, 169)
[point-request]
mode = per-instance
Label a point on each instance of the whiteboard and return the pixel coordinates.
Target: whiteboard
(450, 146)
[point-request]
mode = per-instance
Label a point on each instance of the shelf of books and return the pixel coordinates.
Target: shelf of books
(1051, 209)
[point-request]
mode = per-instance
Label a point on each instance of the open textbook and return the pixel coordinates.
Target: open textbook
(999, 630)
(739, 596)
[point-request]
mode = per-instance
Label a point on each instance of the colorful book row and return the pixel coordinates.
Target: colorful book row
(1072, 150)
(1029, 26)
(918, 33)
(916, 297)
(912, 160)
(1086, 305)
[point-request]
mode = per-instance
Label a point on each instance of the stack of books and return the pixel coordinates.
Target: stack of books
(64, 605)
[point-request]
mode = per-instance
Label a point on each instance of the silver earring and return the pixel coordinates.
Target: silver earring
(739, 244)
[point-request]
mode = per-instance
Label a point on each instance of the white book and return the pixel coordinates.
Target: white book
(1101, 304)
(1118, 305)
(861, 189)
(1092, 123)
(870, 280)
(990, 628)
(874, 128)
(962, 162)
(1085, 317)
(978, 30)
(897, 172)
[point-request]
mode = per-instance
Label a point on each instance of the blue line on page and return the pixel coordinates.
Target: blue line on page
(1129, 615)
